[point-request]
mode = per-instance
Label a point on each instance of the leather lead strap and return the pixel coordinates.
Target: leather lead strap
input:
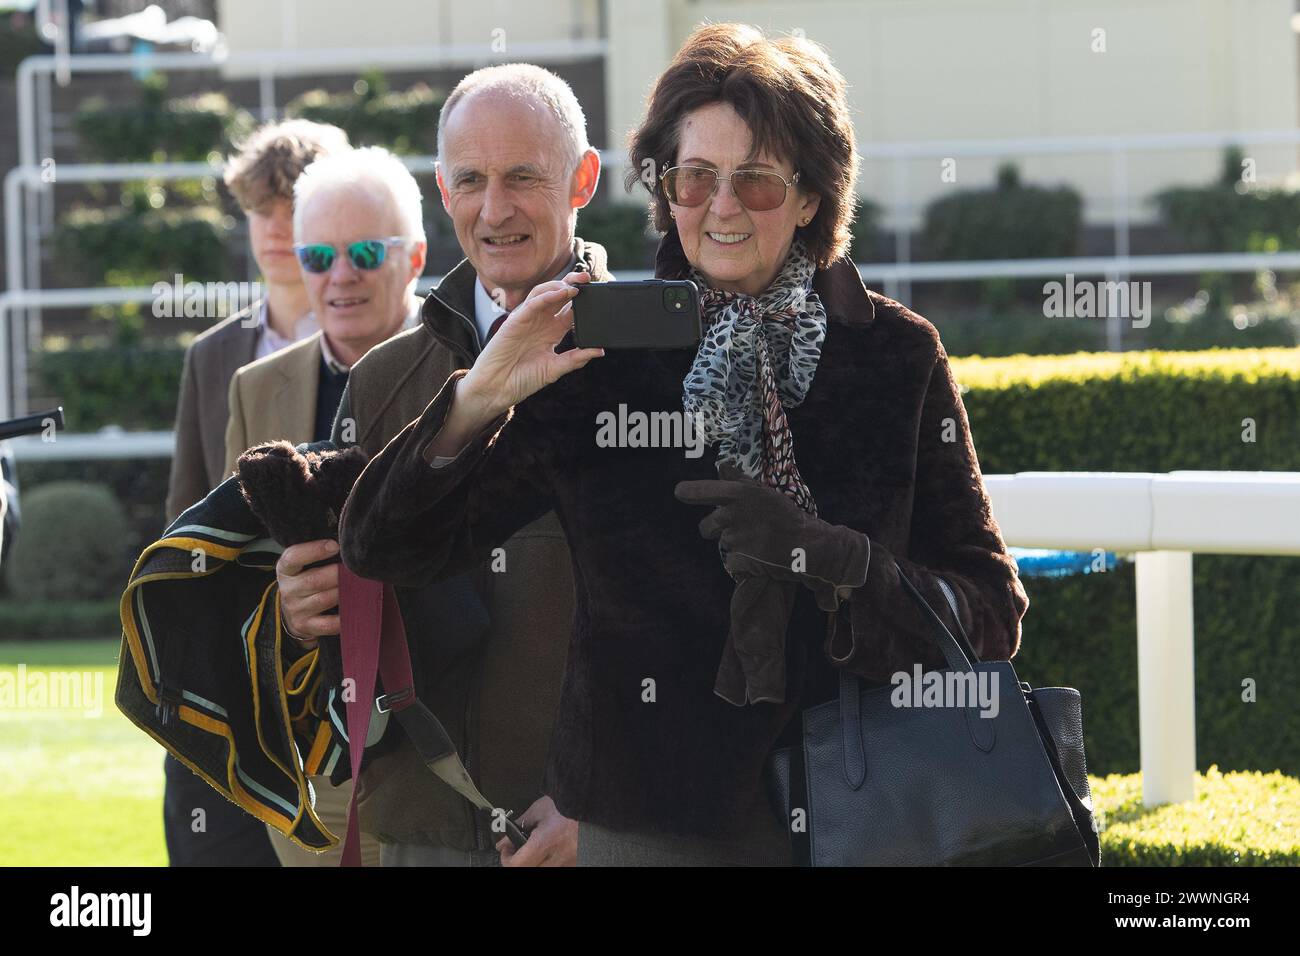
(361, 618)
(373, 640)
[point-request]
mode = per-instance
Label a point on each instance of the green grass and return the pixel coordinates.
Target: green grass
(77, 789)
(77, 653)
(86, 790)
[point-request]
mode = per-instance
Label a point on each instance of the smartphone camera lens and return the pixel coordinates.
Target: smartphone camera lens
(675, 299)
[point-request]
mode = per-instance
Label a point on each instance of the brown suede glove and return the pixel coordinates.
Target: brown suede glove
(752, 669)
(763, 532)
(770, 545)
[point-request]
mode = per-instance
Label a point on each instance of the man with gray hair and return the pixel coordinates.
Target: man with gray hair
(360, 242)
(359, 237)
(516, 226)
(488, 648)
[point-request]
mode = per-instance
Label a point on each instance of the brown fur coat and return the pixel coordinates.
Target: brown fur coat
(883, 441)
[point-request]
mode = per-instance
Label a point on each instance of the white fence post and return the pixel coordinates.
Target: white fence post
(1166, 682)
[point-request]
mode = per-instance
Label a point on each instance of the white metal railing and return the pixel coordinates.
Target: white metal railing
(33, 77)
(269, 64)
(21, 178)
(13, 351)
(896, 278)
(14, 339)
(109, 444)
(34, 74)
(1118, 148)
(1110, 266)
(23, 273)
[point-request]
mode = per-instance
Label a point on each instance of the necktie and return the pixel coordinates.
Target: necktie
(496, 326)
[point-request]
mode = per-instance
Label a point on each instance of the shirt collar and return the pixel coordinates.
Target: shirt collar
(338, 368)
(486, 311)
(272, 340)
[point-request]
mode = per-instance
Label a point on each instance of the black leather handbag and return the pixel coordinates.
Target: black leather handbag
(882, 785)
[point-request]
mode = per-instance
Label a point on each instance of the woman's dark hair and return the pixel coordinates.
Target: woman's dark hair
(793, 100)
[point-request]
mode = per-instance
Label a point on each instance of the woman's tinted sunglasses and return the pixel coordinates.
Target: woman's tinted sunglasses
(757, 190)
(364, 254)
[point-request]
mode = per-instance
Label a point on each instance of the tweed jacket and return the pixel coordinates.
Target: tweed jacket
(211, 360)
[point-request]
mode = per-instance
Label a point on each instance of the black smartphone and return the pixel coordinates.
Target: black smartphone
(650, 314)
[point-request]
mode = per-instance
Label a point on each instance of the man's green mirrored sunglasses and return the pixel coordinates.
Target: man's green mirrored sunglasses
(364, 253)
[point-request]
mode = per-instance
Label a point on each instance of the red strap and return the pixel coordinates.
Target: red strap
(373, 640)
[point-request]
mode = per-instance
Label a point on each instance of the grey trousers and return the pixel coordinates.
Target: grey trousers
(764, 842)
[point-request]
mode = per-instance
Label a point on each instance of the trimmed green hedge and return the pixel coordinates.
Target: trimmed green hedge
(97, 384)
(59, 620)
(1011, 331)
(1135, 411)
(866, 231)
(623, 230)
(97, 246)
(1010, 221)
(18, 40)
(155, 128)
(1230, 215)
(1129, 411)
(74, 544)
(373, 115)
(1235, 819)
(1080, 631)
(140, 484)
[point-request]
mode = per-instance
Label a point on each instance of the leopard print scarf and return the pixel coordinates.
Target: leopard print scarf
(757, 358)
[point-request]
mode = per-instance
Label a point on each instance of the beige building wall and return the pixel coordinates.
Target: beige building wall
(919, 70)
(991, 69)
(483, 28)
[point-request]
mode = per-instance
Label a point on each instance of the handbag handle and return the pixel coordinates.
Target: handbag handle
(960, 656)
(957, 652)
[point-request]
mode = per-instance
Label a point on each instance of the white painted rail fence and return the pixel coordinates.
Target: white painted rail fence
(1164, 518)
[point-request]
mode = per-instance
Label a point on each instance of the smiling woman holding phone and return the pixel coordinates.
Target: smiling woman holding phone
(837, 445)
